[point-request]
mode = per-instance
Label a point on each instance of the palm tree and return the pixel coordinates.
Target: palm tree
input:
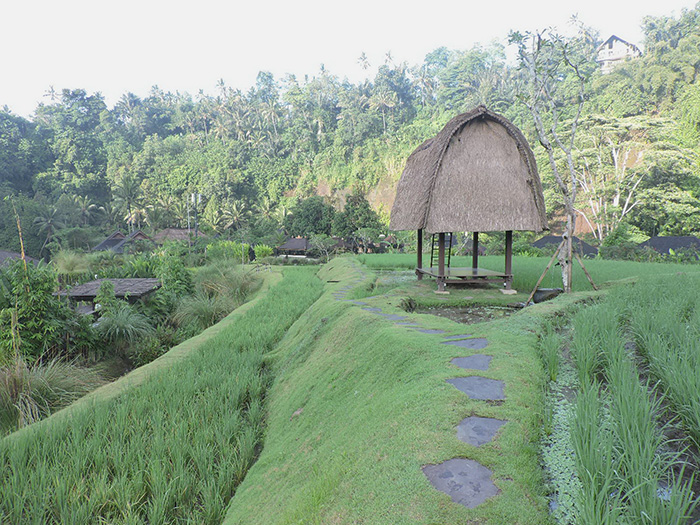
(85, 208)
(127, 194)
(235, 215)
(49, 223)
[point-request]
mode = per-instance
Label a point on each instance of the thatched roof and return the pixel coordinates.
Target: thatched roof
(477, 174)
(118, 241)
(6, 257)
(295, 244)
(673, 242)
(553, 240)
(123, 289)
(176, 234)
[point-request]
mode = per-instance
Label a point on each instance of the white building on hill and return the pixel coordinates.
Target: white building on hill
(614, 51)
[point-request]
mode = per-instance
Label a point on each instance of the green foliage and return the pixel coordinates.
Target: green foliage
(122, 326)
(310, 216)
(231, 251)
(44, 321)
(262, 251)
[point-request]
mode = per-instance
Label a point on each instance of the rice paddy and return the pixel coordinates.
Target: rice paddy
(171, 449)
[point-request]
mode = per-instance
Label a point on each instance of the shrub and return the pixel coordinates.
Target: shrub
(262, 251)
(229, 250)
(123, 326)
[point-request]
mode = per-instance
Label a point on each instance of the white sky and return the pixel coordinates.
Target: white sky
(130, 45)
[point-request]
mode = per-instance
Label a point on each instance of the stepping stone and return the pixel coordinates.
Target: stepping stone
(429, 331)
(373, 310)
(476, 343)
(407, 324)
(394, 317)
(464, 480)
(478, 430)
(359, 303)
(462, 336)
(477, 387)
(473, 362)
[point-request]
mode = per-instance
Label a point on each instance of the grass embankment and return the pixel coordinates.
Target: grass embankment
(360, 404)
(526, 270)
(169, 442)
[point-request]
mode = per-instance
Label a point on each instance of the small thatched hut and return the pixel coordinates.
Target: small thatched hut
(476, 175)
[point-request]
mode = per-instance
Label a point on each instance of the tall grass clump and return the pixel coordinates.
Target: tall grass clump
(219, 289)
(30, 393)
(173, 449)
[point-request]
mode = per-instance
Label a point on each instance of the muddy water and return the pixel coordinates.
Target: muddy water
(470, 314)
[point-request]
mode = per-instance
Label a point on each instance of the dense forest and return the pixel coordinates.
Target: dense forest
(285, 156)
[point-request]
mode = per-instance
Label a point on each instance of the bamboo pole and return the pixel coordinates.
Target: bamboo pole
(549, 265)
(590, 279)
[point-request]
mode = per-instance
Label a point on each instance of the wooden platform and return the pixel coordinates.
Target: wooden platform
(466, 275)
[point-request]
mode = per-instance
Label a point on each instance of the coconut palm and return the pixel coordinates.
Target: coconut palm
(49, 222)
(127, 195)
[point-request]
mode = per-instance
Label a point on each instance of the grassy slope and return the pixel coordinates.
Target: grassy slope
(373, 408)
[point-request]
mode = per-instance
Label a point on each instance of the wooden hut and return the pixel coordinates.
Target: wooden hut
(476, 175)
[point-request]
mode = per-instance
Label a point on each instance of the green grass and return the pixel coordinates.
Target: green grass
(168, 444)
(526, 270)
(360, 405)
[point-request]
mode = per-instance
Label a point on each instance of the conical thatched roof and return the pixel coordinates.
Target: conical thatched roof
(478, 174)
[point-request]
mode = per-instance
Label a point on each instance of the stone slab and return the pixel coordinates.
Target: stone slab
(465, 481)
(430, 331)
(476, 343)
(478, 430)
(477, 387)
(393, 317)
(473, 362)
(373, 310)
(461, 336)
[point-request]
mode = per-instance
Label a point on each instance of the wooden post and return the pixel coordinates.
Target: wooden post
(419, 262)
(509, 260)
(475, 250)
(441, 262)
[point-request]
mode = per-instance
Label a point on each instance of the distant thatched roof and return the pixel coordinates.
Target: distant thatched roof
(553, 240)
(477, 174)
(123, 288)
(118, 241)
(673, 242)
(7, 257)
(295, 244)
(175, 234)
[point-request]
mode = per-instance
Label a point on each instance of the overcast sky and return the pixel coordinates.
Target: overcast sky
(130, 45)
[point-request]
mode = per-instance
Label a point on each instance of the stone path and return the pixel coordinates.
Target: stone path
(477, 387)
(466, 481)
(474, 362)
(478, 430)
(476, 343)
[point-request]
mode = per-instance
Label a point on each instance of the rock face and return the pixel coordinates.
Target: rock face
(464, 480)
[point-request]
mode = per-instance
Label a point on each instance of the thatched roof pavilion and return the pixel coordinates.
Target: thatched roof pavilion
(476, 175)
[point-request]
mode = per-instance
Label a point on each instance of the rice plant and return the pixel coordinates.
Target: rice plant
(172, 450)
(550, 347)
